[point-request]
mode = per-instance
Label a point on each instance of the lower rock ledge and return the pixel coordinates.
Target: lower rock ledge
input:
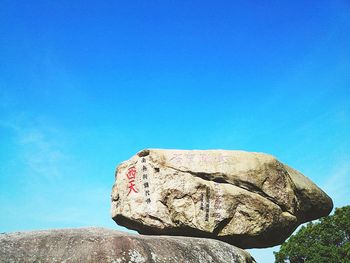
(105, 245)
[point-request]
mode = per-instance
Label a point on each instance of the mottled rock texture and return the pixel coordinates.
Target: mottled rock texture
(102, 245)
(246, 199)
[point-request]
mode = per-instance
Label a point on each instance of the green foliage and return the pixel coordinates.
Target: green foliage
(327, 240)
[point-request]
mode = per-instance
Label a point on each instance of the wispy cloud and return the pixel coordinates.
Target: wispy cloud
(56, 191)
(337, 186)
(38, 145)
(52, 194)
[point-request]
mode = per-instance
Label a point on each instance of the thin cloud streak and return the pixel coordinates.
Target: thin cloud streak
(337, 186)
(39, 146)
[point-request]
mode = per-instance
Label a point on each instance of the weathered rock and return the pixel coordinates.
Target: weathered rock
(103, 245)
(246, 199)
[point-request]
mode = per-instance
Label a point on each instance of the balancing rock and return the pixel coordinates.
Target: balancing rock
(246, 199)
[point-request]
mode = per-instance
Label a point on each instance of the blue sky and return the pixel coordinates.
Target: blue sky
(85, 85)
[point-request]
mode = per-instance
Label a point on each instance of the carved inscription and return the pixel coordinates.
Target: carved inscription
(145, 181)
(217, 203)
(207, 207)
(180, 158)
(131, 175)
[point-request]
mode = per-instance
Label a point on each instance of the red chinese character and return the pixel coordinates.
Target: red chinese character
(190, 157)
(177, 158)
(223, 158)
(132, 187)
(131, 174)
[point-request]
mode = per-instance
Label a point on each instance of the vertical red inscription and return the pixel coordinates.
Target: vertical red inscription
(131, 174)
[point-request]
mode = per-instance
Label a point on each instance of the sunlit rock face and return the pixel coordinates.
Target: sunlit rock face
(91, 245)
(246, 199)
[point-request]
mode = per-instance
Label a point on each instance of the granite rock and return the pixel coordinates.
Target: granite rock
(246, 199)
(103, 245)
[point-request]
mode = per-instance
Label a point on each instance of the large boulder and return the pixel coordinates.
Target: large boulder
(109, 246)
(246, 199)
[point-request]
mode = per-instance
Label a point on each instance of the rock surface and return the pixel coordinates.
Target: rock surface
(102, 245)
(243, 198)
